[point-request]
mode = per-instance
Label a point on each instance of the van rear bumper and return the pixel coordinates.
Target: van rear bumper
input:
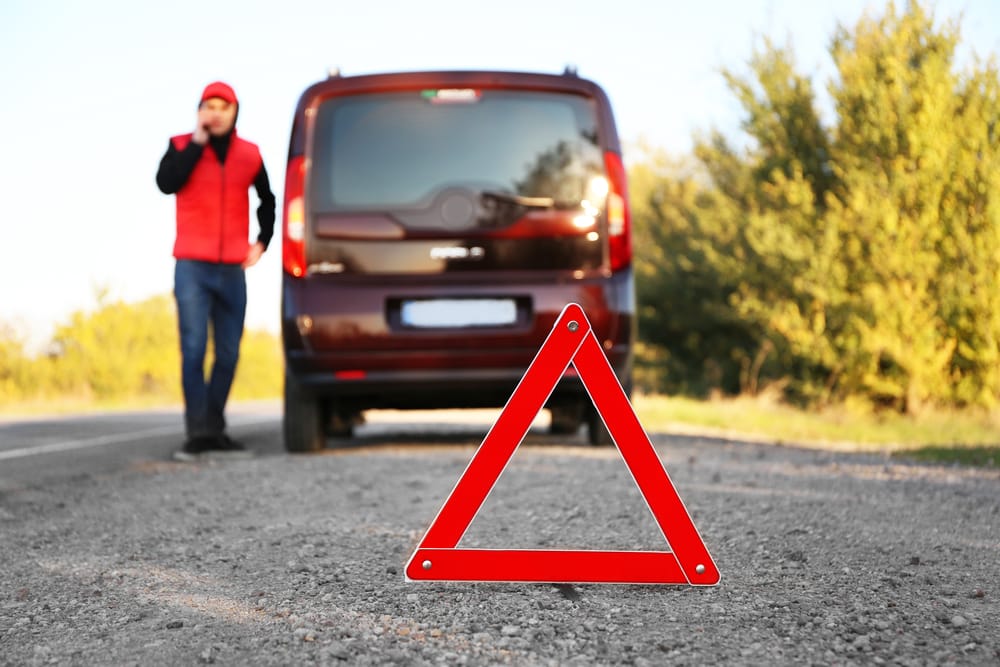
(340, 342)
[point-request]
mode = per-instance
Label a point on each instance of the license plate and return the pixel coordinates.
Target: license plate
(457, 313)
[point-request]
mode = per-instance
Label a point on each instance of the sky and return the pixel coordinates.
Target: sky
(90, 93)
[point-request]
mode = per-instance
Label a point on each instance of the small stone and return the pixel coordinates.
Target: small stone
(305, 634)
(338, 651)
(978, 593)
(510, 631)
(914, 560)
(174, 625)
(959, 621)
(412, 597)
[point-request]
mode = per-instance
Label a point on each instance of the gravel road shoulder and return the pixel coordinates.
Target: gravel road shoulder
(826, 558)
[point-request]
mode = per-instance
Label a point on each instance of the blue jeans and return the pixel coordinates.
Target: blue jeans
(207, 292)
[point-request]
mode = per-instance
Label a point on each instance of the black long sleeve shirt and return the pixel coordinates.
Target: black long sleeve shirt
(176, 167)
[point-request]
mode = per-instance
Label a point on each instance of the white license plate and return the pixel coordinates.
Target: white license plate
(456, 313)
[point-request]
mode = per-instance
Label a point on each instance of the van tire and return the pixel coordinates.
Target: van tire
(597, 432)
(303, 419)
(567, 418)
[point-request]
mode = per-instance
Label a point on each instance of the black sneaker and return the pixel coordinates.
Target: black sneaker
(223, 446)
(194, 449)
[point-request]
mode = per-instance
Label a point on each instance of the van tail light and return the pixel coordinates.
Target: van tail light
(619, 216)
(293, 249)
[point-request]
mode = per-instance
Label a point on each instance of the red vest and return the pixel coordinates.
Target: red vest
(213, 206)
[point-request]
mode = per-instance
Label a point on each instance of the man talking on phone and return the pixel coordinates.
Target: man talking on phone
(211, 171)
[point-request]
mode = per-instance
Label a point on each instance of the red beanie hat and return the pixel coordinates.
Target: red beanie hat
(221, 90)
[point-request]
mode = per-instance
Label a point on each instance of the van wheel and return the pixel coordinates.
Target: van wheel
(303, 421)
(597, 432)
(567, 418)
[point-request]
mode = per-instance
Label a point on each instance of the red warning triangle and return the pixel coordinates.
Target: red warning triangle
(438, 556)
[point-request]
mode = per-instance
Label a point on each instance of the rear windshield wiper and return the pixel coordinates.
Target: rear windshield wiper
(528, 202)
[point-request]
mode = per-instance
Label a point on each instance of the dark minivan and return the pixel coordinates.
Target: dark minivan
(435, 225)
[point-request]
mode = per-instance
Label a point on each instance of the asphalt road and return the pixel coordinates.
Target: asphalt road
(47, 450)
(39, 450)
(112, 554)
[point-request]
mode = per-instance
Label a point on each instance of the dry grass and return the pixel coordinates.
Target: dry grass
(940, 436)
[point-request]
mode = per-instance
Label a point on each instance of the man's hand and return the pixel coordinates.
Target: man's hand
(253, 255)
(201, 128)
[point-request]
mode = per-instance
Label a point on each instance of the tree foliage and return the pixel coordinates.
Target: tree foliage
(856, 261)
(125, 351)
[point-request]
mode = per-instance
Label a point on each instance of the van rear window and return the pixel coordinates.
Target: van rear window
(398, 150)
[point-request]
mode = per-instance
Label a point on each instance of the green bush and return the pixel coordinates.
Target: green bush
(125, 352)
(856, 262)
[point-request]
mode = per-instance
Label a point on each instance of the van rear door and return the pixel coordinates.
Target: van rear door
(457, 181)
